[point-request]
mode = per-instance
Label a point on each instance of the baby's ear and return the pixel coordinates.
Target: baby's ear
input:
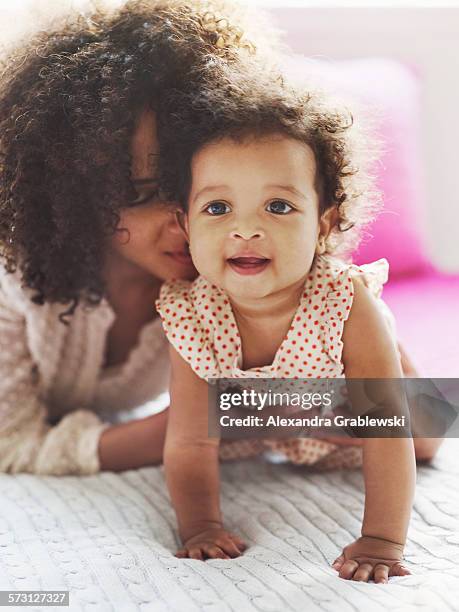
(328, 220)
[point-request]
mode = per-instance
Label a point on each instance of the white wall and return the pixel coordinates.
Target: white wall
(428, 38)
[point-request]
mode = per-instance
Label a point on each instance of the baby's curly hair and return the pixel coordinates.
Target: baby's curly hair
(244, 106)
(69, 100)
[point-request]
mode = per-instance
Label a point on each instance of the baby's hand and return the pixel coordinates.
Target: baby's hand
(371, 558)
(212, 543)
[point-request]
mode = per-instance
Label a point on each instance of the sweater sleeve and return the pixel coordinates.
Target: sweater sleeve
(28, 443)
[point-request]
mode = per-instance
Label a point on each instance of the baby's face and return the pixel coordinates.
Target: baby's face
(253, 214)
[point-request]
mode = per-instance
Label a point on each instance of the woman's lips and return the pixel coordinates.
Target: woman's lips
(181, 257)
(248, 265)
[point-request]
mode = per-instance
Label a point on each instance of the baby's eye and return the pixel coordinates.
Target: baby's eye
(217, 208)
(279, 207)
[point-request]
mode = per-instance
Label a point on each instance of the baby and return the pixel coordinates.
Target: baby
(274, 194)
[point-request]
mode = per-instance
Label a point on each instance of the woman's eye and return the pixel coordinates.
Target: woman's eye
(217, 208)
(279, 207)
(143, 197)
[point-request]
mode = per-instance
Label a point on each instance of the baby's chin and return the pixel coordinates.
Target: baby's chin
(247, 289)
(260, 287)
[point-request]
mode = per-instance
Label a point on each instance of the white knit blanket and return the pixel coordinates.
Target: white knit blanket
(109, 539)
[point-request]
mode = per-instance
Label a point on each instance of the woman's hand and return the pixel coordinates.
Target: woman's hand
(212, 543)
(371, 558)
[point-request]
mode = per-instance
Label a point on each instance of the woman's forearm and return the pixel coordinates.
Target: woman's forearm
(192, 476)
(135, 444)
(389, 470)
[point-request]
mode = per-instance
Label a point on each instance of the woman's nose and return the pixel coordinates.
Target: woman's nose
(173, 224)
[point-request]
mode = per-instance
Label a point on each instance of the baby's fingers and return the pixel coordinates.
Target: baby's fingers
(182, 553)
(347, 569)
(381, 573)
(237, 540)
(338, 562)
(195, 552)
(202, 551)
(363, 572)
(215, 552)
(230, 548)
(399, 570)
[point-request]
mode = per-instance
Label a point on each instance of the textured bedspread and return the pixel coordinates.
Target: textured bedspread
(109, 539)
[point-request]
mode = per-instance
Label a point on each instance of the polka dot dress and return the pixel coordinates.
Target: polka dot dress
(199, 322)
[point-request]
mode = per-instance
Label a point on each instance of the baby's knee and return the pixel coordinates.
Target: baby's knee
(426, 448)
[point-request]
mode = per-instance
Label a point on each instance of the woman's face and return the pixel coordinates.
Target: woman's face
(148, 237)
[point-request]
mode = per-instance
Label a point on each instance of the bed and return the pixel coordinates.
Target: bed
(109, 539)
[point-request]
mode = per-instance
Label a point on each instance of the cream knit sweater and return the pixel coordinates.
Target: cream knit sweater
(53, 389)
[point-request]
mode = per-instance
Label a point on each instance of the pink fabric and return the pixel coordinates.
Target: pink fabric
(391, 92)
(426, 308)
(425, 303)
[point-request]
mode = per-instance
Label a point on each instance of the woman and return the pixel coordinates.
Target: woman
(85, 238)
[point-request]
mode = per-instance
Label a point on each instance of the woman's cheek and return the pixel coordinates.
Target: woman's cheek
(131, 225)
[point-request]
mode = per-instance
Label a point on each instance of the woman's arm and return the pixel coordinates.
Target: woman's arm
(192, 468)
(128, 446)
(28, 443)
(389, 467)
(80, 443)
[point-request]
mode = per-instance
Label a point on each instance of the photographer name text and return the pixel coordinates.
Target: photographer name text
(339, 421)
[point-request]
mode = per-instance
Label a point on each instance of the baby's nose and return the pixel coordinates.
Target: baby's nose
(247, 233)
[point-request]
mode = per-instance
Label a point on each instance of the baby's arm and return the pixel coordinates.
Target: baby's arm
(192, 469)
(388, 463)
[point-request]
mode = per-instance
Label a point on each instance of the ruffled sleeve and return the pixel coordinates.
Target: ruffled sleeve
(339, 298)
(374, 275)
(186, 329)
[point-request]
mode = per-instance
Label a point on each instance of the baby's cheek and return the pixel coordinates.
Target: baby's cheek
(298, 253)
(205, 256)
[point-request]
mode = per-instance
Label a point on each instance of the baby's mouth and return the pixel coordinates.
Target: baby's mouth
(248, 264)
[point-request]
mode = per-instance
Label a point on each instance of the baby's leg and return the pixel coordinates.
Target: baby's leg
(424, 448)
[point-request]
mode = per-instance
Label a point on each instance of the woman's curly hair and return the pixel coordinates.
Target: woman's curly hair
(245, 105)
(69, 100)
